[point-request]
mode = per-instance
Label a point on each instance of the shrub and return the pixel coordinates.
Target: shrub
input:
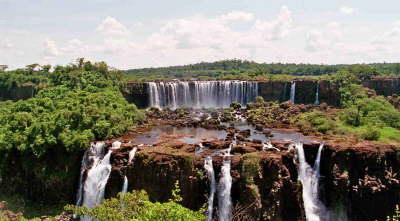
(315, 121)
(371, 133)
(137, 206)
(259, 99)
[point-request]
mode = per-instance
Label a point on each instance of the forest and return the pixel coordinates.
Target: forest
(242, 69)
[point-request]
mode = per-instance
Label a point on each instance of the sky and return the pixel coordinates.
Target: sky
(145, 33)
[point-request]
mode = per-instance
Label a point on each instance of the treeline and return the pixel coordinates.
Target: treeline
(242, 69)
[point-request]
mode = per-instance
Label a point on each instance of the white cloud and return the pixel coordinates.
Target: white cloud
(50, 48)
(237, 16)
(315, 41)
(275, 29)
(6, 44)
(110, 26)
(75, 46)
(327, 38)
(347, 10)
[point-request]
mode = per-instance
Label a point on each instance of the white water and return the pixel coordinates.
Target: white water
(132, 154)
(125, 186)
(201, 94)
(309, 177)
(317, 95)
(208, 166)
(268, 145)
(224, 192)
(116, 145)
(293, 92)
(92, 190)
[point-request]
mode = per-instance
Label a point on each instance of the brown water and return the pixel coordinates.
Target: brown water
(196, 135)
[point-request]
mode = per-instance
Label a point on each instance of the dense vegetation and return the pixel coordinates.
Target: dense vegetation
(137, 206)
(241, 69)
(76, 104)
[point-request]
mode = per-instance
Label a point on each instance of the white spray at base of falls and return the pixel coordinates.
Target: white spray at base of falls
(317, 95)
(208, 166)
(125, 185)
(91, 191)
(201, 94)
(309, 177)
(293, 92)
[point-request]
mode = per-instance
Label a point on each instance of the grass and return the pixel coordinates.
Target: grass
(30, 210)
(387, 134)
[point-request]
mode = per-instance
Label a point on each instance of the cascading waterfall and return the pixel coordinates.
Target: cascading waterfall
(224, 187)
(309, 177)
(224, 192)
(91, 191)
(293, 92)
(208, 166)
(132, 154)
(125, 185)
(317, 95)
(201, 94)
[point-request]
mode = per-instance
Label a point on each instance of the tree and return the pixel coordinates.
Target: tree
(3, 67)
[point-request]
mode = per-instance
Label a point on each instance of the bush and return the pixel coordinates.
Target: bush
(137, 206)
(371, 111)
(315, 121)
(259, 99)
(371, 133)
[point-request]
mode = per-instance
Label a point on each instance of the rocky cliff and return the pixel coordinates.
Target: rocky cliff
(306, 90)
(357, 181)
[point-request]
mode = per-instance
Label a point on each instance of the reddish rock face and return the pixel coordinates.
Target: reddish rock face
(360, 178)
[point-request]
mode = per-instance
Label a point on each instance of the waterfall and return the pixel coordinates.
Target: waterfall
(317, 95)
(309, 177)
(125, 186)
(208, 166)
(293, 92)
(224, 192)
(201, 94)
(224, 187)
(91, 191)
(132, 154)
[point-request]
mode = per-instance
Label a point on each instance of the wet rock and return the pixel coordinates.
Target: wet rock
(245, 133)
(267, 133)
(218, 144)
(259, 127)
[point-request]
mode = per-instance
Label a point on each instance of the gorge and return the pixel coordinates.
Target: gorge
(231, 152)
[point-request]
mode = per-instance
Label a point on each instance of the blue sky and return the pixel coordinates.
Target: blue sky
(133, 33)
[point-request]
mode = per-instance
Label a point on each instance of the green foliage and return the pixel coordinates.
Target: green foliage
(66, 118)
(81, 104)
(136, 206)
(315, 121)
(259, 99)
(396, 216)
(371, 133)
(371, 111)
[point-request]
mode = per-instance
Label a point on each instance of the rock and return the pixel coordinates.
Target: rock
(259, 127)
(245, 133)
(267, 133)
(218, 144)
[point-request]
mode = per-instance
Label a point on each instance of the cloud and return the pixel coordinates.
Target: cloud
(110, 26)
(50, 48)
(6, 44)
(75, 46)
(276, 29)
(315, 41)
(237, 16)
(327, 38)
(347, 10)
